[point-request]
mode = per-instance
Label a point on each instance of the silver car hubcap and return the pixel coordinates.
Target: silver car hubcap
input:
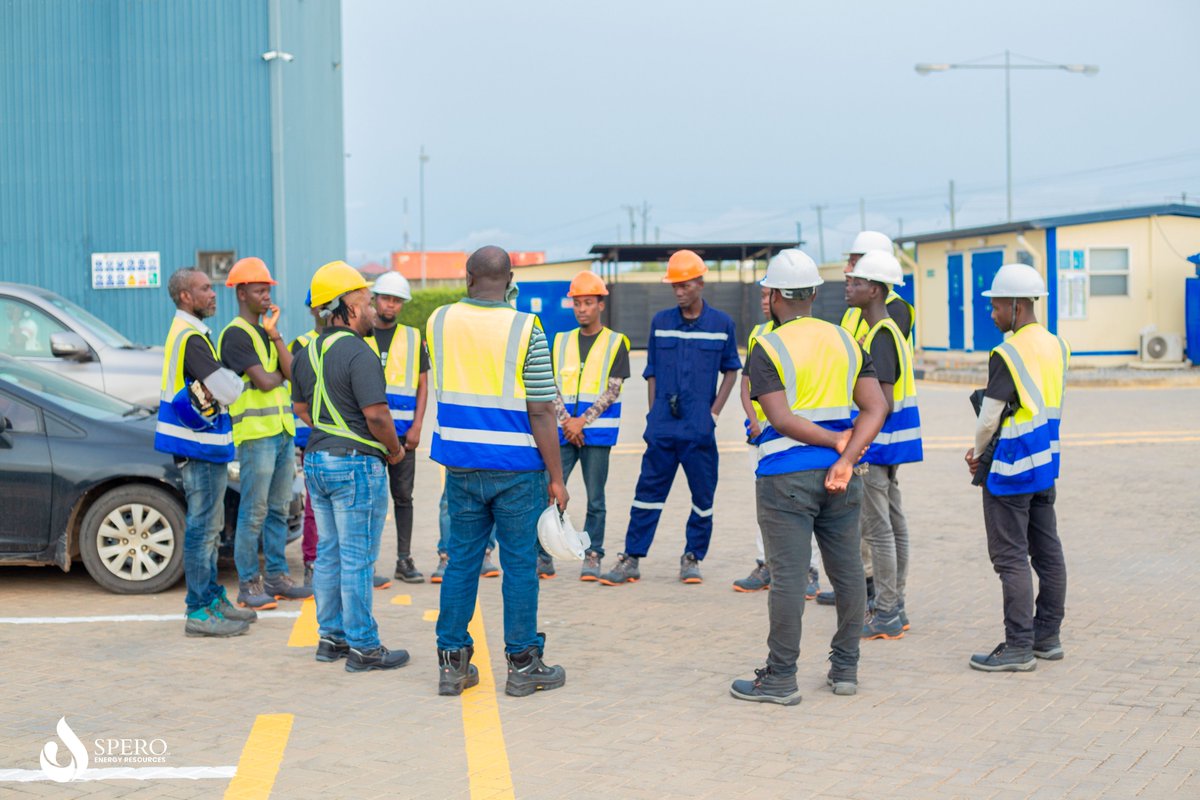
(135, 542)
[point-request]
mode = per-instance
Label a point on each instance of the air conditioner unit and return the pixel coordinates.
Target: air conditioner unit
(1162, 347)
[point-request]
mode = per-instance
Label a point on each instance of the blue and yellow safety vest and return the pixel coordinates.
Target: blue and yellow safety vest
(402, 371)
(302, 430)
(214, 445)
(582, 385)
(257, 414)
(857, 327)
(899, 442)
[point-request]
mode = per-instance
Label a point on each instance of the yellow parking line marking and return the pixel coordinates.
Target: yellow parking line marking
(487, 755)
(304, 629)
(430, 615)
(261, 757)
(402, 600)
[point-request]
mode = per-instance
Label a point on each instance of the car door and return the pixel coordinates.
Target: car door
(26, 478)
(25, 333)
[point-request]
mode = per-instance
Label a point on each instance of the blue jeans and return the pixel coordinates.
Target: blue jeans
(444, 527)
(593, 461)
(512, 502)
(204, 485)
(350, 500)
(268, 467)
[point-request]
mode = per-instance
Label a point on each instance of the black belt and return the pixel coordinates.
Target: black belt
(342, 452)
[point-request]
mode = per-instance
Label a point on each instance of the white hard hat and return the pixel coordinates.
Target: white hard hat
(393, 283)
(868, 241)
(878, 266)
(1017, 280)
(559, 537)
(791, 269)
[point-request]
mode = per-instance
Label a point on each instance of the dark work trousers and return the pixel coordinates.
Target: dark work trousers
(400, 483)
(791, 509)
(661, 461)
(1022, 530)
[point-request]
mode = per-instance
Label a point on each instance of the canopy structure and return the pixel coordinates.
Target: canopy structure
(611, 254)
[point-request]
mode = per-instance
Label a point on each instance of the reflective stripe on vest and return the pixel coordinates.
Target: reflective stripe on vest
(582, 385)
(856, 326)
(899, 442)
(402, 370)
(257, 414)
(170, 436)
(478, 357)
(322, 405)
(302, 430)
(1026, 459)
(757, 331)
(818, 364)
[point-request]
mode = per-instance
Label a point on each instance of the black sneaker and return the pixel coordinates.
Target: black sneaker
(625, 571)
(767, 687)
(378, 657)
(1005, 659)
(545, 567)
(528, 674)
(758, 579)
(456, 672)
(1049, 648)
(407, 571)
(330, 649)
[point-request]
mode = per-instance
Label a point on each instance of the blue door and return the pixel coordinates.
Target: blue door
(985, 335)
(548, 299)
(954, 279)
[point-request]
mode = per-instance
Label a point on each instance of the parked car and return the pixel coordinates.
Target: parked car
(80, 479)
(39, 326)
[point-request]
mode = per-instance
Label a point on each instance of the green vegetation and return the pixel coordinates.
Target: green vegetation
(416, 311)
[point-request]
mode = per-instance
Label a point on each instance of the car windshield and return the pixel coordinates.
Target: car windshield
(107, 334)
(75, 397)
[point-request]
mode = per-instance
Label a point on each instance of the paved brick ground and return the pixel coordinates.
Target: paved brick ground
(646, 711)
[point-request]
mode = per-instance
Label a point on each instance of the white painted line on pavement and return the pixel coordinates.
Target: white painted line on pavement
(127, 618)
(125, 774)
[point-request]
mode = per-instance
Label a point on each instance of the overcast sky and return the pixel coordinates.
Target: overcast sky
(732, 120)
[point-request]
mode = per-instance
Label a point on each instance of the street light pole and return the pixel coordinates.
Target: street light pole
(1008, 133)
(422, 160)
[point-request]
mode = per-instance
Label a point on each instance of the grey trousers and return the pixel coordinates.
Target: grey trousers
(885, 530)
(791, 509)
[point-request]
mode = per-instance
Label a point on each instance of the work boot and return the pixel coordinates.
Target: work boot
(625, 571)
(689, 569)
(407, 571)
(456, 672)
(330, 649)
(758, 579)
(1005, 658)
(308, 573)
(528, 674)
(1049, 648)
(207, 622)
(380, 581)
(883, 626)
(228, 610)
(488, 569)
(378, 657)
(252, 595)
(545, 567)
(440, 570)
(590, 571)
(282, 587)
(828, 598)
(767, 687)
(842, 679)
(903, 616)
(814, 584)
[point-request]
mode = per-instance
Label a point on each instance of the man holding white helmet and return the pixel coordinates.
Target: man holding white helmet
(1019, 417)
(884, 527)
(406, 365)
(807, 375)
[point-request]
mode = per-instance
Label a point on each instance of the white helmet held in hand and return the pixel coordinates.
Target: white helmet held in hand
(559, 537)
(394, 284)
(791, 269)
(870, 241)
(878, 266)
(1017, 280)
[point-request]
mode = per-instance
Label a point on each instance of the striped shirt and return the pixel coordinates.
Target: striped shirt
(539, 372)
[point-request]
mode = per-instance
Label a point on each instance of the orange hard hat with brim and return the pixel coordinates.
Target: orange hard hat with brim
(684, 265)
(249, 270)
(587, 284)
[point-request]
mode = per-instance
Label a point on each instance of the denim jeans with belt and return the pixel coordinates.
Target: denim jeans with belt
(204, 486)
(268, 467)
(512, 502)
(791, 509)
(350, 500)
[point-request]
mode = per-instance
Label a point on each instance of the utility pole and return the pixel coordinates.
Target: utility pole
(632, 225)
(862, 214)
(952, 205)
(645, 221)
(799, 234)
(406, 244)
(899, 227)
(422, 159)
(820, 232)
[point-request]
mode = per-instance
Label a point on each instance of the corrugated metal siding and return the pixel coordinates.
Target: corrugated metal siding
(131, 125)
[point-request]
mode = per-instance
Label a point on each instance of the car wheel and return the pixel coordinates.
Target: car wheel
(131, 540)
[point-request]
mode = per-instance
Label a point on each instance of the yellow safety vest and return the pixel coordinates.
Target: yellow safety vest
(582, 384)
(302, 429)
(755, 332)
(257, 414)
(899, 442)
(323, 407)
(402, 371)
(170, 435)
(854, 323)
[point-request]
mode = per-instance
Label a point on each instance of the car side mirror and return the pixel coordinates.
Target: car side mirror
(70, 345)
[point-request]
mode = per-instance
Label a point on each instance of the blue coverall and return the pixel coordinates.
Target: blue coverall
(685, 358)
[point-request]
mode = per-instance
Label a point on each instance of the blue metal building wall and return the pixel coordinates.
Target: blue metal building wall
(131, 125)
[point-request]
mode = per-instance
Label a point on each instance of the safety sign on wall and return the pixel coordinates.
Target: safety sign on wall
(126, 270)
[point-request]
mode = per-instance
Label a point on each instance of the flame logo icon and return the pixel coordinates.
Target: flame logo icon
(79, 755)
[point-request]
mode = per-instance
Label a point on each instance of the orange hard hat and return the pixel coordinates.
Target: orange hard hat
(249, 270)
(684, 265)
(586, 284)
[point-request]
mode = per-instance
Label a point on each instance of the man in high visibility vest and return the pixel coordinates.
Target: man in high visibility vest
(497, 439)
(591, 363)
(339, 390)
(807, 375)
(688, 348)
(405, 365)
(884, 526)
(193, 425)
(308, 540)
(1027, 372)
(252, 346)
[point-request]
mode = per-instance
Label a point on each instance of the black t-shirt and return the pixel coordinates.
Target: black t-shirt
(898, 311)
(885, 358)
(198, 361)
(383, 340)
(764, 378)
(1000, 385)
(353, 381)
(620, 364)
(237, 349)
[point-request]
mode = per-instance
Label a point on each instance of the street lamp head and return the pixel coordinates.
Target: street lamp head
(1082, 69)
(925, 69)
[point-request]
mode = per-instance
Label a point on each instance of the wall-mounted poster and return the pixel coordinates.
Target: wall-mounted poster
(126, 270)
